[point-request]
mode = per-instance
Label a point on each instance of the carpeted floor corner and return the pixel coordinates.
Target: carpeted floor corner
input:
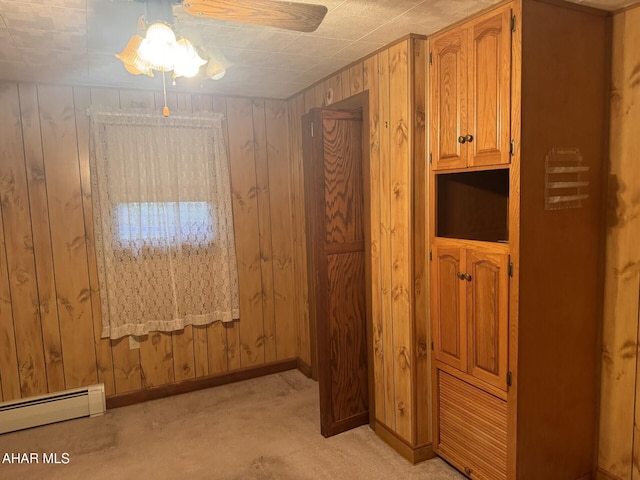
(262, 429)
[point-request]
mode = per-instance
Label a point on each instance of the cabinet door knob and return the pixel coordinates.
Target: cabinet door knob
(467, 277)
(462, 139)
(460, 275)
(469, 138)
(467, 471)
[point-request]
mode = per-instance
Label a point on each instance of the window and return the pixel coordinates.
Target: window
(163, 220)
(164, 224)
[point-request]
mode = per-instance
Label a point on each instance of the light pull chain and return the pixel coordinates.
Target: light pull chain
(165, 110)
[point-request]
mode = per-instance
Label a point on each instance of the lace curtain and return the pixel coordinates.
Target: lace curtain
(163, 221)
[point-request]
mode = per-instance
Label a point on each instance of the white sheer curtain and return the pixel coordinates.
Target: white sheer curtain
(163, 221)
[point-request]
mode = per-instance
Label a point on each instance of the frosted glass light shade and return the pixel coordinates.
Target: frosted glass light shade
(132, 61)
(187, 60)
(159, 46)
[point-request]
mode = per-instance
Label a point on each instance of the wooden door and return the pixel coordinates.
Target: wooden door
(332, 143)
(448, 307)
(449, 100)
(489, 67)
(487, 314)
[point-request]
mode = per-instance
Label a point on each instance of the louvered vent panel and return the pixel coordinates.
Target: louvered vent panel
(472, 428)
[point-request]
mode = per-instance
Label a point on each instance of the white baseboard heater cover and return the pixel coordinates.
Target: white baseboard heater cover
(51, 408)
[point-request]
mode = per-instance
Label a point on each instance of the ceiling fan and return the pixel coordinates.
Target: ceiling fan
(158, 23)
(301, 17)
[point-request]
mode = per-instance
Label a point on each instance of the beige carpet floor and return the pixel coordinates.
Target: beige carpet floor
(262, 429)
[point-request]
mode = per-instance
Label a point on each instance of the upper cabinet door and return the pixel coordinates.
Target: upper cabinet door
(449, 100)
(489, 67)
(488, 316)
(448, 305)
(471, 93)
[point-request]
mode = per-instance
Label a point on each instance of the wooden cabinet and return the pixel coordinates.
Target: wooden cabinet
(470, 93)
(470, 310)
(516, 260)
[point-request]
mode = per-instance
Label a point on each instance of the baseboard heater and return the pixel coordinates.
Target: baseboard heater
(56, 407)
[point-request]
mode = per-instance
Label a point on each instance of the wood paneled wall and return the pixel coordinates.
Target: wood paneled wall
(619, 445)
(49, 306)
(395, 79)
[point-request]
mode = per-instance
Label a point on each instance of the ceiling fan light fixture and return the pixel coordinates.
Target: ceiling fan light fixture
(159, 46)
(216, 69)
(160, 50)
(131, 60)
(187, 61)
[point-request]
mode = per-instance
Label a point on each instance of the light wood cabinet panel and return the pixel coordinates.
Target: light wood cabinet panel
(470, 311)
(487, 313)
(448, 308)
(449, 100)
(489, 89)
(470, 93)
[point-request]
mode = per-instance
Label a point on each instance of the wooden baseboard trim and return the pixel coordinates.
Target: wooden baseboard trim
(304, 368)
(604, 475)
(191, 385)
(415, 454)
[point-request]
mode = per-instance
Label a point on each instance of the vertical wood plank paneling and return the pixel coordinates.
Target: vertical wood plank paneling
(296, 111)
(422, 373)
(305, 341)
(281, 227)
(156, 348)
(59, 144)
(400, 236)
(9, 376)
(217, 338)
(346, 83)
(320, 95)
(126, 362)
(183, 353)
(309, 99)
(355, 79)
(60, 200)
(41, 239)
(104, 359)
(333, 86)
(156, 359)
(245, 209)
(264, 220)
(14, 200)
(619, 432)
(223, 338)
(203, 103)
(385, 240)
(371, 83)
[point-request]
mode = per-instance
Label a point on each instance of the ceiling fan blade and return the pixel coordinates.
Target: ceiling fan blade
(301, 17)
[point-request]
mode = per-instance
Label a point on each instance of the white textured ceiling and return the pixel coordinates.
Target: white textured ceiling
(74, 41)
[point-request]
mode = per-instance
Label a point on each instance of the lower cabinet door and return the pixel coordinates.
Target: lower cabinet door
(471, 428)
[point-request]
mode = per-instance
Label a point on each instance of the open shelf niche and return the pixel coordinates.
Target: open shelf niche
(473, 205)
